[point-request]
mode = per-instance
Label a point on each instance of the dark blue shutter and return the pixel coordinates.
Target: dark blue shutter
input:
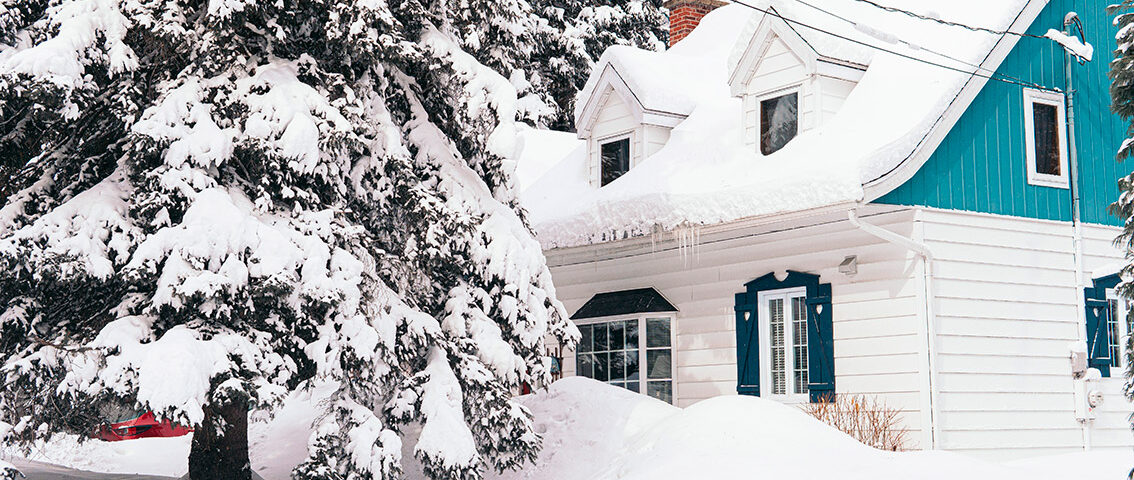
(820, 344)
(1098, 333)
(747, 346)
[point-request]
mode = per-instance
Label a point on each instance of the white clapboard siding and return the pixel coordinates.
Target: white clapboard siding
(876, 321)
(614, 119)
(1007, 311)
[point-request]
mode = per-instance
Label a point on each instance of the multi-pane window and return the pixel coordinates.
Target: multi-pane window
(784, 313)
(779, 121)
(1118, 326)
(636, 354)
(1045, 126)
(615, 159)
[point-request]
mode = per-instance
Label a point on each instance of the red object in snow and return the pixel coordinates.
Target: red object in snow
(145, 426)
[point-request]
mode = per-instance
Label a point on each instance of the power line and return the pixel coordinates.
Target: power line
(947, 22)
(940, 54)
(773, 12)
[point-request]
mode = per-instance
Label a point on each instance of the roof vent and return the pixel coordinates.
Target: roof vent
(684, 15)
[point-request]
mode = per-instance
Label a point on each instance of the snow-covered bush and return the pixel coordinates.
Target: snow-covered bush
(209, 205)
(867, 419)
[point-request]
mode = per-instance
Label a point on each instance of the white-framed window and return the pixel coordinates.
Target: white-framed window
(779, 119)
(614, 157)
(1117, 328)
(1045, 129)
(635, 353)
(783, 348)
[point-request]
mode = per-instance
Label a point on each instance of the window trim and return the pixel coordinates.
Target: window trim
(1031, 97)
(1120, 317)
(642, 348)
(627, 135)
(767, 390)
(797, 89)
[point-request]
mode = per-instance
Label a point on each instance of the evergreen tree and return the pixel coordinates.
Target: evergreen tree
(1122, 102)
(573, 36)
(213, 204)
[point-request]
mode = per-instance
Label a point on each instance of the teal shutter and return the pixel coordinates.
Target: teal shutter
(747, 346)
(1098, 333)
(820, 345)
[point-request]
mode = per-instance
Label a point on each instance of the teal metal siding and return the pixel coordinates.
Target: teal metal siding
(981, 164)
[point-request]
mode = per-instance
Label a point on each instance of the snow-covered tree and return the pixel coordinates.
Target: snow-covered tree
(1122, 102)
(574, 34)
(208, 205)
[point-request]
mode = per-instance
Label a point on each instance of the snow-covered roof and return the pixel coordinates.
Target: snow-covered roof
(705, 175)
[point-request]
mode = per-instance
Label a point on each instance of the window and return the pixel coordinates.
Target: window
(615, 159)
(784, 314)
(635, 354)
(779, 121)
(1045, 130)
(1118, 326)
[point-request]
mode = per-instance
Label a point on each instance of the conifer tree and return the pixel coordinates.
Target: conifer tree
(1122, 102)
(573, 36)
(209, 205)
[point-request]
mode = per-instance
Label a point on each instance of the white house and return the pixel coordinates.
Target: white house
(801, 198)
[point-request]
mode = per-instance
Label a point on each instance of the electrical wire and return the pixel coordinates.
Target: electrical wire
(992, 72)
(947, 22)
(773, 12)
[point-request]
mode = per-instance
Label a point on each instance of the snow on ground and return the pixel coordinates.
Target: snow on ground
(594, 431)
(705, 174)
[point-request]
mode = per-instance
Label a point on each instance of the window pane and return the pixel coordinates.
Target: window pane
(617, 366)
(584, 365)
(631, 334)
(776, 337)
(632, 386)
(632, 365)
(1115, 340)
(600, 338)
(617, 335)
(799, 343)
(1045, 123)
(615, 159)
(585, 339)
(602, 367)
(779, 122)
(657, 332)
(660, 390)
(658, 363)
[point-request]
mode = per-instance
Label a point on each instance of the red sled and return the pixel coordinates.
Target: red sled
(144, 426)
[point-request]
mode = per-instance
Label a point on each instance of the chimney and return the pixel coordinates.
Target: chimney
(684, 15)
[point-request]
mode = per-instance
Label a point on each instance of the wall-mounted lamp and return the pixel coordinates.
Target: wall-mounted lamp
(849, 266)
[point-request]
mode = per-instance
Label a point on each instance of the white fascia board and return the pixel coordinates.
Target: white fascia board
(610, 82)
(905, 170)
(827, 67)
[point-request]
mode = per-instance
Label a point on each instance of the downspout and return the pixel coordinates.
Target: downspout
(1077, 224)
(922, 250)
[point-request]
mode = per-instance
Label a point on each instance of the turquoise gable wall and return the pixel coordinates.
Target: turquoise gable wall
(981, 164)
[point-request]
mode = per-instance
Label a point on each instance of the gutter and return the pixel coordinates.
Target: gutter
(922, 250)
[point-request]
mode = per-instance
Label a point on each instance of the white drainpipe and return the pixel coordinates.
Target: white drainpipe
(1077, 224)
(930, 312)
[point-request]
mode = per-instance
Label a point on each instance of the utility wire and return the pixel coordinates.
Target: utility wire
(773, 12)
(947, 22)
(918, 47)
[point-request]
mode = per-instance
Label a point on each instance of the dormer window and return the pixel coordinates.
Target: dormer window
(779, 121)
(1044, 127)
(615, 159)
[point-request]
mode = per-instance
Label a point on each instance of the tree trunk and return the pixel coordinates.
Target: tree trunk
(220, 444)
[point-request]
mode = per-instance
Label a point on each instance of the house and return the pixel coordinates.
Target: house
(805, 198)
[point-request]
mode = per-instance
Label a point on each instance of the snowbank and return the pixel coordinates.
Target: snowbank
(706, 175)
(595, 431)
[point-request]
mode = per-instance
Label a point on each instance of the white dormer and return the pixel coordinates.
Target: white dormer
(620, 129)
(787, 84)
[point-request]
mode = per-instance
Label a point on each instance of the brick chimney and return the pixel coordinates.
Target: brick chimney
(684, 15)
